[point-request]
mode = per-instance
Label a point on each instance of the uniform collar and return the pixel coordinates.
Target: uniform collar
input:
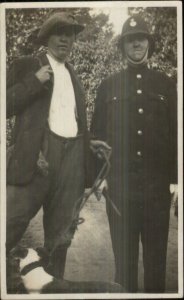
(140, 68)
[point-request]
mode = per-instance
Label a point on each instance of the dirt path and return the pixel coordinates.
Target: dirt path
(90, 256)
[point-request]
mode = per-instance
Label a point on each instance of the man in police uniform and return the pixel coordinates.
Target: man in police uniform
(46, 160)
(135, 113)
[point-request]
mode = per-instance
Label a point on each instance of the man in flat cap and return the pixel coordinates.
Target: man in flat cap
(46, 162)
(135, 113)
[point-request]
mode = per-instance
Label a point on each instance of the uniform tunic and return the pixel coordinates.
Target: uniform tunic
(135, 113)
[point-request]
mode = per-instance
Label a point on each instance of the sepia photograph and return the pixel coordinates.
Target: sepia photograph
(91, 150)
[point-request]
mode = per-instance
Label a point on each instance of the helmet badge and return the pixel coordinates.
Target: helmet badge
(133, 23)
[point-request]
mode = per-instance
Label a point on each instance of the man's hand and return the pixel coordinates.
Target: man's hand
(99, 191)
(43, 74)
(96, 146)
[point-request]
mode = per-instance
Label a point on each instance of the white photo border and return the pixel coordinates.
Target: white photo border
(96, 4)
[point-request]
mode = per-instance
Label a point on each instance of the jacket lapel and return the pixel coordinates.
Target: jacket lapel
(48, 87)
(79, 96)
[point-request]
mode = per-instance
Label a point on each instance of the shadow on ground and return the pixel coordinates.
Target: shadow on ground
(90, 256)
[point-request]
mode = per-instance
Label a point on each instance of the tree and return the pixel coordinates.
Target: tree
(95, 54)
(23, 26)
(162, 24)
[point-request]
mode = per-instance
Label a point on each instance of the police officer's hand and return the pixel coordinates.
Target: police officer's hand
(99, 191)
(44, 73)
(174, 197)
(174, 192)
(98, 147)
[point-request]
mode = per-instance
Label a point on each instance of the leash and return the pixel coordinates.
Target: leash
(76, 220)
(99, 179)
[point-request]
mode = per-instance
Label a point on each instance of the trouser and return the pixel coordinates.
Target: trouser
(59, 193)
(148, 218)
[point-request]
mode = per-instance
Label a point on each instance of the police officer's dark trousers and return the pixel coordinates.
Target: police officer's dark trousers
(145, 213)
(59, 191)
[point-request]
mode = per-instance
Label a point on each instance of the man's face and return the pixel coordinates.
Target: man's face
(135, 46)
(60, 43)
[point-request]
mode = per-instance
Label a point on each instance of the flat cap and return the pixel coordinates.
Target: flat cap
(56, 21)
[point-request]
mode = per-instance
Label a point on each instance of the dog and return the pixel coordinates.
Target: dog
(37, 281)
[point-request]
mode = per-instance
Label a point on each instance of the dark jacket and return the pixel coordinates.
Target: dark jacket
(136, 114)
(29, 100)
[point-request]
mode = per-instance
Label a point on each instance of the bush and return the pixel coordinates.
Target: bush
(95, 55)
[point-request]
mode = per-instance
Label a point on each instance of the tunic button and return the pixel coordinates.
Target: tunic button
(139, 153)
(139, 132)
(139, 92)
(65, 142)
(139, 76)
(140, 110)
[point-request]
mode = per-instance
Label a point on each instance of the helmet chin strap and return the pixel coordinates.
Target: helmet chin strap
(138, 63)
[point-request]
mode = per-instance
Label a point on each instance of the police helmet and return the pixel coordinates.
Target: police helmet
(136, 25)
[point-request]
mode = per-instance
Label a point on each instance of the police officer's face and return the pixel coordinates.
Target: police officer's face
(60, 43)
(135, 46)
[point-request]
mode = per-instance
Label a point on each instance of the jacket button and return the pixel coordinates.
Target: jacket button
(140, 110)
(139, 92)
(139, 132)
(139, 153)
(139, 76)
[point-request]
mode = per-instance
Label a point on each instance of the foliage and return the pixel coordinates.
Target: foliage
(23, 25)
(95, 55)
